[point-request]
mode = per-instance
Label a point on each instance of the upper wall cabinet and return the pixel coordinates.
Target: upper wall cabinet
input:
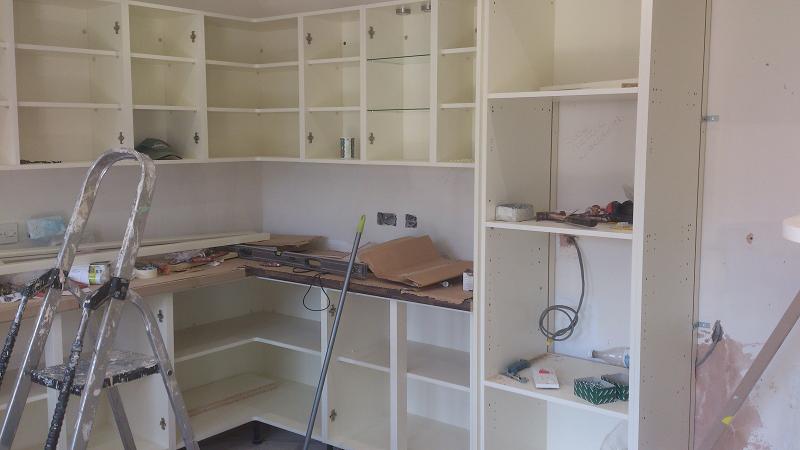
(238, 41)
(332, 36)
(167, 33)
(545, 45)
(78, 24)
(398, 79)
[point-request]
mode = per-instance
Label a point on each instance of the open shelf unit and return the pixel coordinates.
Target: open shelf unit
(576, 115)
(222, 88)
(259, 360)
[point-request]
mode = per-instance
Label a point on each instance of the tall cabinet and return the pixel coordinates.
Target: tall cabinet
(586, 101)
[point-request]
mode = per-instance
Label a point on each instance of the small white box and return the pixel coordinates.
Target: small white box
(514, 212)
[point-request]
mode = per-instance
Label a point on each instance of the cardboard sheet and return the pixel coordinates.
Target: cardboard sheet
(413, 261)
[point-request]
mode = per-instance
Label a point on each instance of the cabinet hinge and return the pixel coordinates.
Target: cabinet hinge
(160, 315)
(332, 415)
(425, 7)
(163, 423)
(402, 11)
(310, 137)
(121, 138)
(309, 38)
(193, 36)
(196, 137)
(116, 27)
(371, 138)
(332, 310)
(711, 118)
(371, 32)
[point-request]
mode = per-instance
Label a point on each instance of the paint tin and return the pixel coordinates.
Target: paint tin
(347, 148)
(468, 281)
(95, 273)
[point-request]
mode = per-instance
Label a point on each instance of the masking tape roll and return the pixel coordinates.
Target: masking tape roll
(146, 272)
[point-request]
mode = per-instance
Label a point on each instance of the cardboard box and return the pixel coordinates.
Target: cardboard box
(413, 261)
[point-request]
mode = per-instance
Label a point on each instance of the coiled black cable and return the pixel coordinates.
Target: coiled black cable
(571, 313)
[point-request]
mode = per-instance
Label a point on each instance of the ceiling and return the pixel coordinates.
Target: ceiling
(261, 8)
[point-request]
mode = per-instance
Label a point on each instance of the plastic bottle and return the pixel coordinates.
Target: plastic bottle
(617, 356)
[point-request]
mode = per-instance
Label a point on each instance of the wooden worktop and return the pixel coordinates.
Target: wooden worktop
(452, 297)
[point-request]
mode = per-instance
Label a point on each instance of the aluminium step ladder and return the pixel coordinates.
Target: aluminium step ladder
(105, 368)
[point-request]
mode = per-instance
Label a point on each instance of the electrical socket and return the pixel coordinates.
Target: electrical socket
(9, 233)
(389, 219)
(411, 221)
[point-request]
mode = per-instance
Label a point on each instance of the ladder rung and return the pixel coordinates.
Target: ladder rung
(123, 367)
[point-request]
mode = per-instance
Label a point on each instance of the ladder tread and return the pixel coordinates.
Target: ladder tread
(123, 367)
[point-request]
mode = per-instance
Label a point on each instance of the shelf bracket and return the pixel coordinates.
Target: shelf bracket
(371, 138)
(196, 137)
(121, 138)
(309, 38)
(116, 27)
(193, 36)
(403, 11)
(310, 137)
(425, 7)
(371, 32)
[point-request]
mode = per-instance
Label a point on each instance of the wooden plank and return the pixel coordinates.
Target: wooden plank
(452, 297)
(229, 271)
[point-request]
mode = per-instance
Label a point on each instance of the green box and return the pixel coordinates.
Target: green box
(620, 381)
(595, 390)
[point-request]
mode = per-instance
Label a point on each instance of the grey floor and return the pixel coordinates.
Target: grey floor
(242, 439)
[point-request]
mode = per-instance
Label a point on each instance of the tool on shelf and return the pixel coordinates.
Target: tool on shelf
(306, 261)
(312, 418)
(106, 368)
(614, 212)
(513, 370)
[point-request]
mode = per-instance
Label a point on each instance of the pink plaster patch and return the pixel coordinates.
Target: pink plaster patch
(716, 380)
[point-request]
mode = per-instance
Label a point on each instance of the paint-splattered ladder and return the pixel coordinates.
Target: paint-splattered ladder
(105, 368)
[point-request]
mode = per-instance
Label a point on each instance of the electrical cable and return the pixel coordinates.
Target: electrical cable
(716, 336)
(318, 279)
(571, 313)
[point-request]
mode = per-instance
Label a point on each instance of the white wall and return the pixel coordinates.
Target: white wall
(328, 199)
(751, 184)
(190, 199)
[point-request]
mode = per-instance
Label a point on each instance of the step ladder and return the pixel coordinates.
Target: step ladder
(104, 368)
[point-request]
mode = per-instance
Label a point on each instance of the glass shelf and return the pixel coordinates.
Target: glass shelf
(397, 109)
(405, 59)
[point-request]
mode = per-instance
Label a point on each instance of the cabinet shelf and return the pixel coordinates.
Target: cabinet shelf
(73, 105)
(402, 59)
(241, 65)
(600, 231)
(567, 370)
(253, 110)
(68, 50)
(167, 58)
(398, 109)
(630, 92)
(457, 106)
(334, 109)
(164, 108)
(429, 363)
(458, 51)
(345, 60)
(283, 331)
(286, 406)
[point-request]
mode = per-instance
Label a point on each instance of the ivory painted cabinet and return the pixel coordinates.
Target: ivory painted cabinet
(400, 377)
(585, 101)
(80, 76)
